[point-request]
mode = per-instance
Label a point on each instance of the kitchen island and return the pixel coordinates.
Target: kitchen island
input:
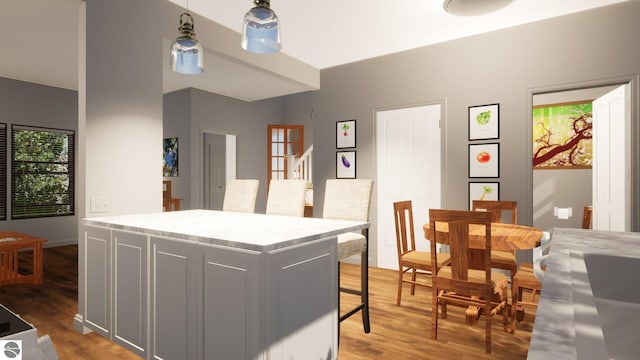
(590, 302)
(202, 284)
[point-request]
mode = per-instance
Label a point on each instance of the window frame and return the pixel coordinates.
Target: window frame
(68, 195)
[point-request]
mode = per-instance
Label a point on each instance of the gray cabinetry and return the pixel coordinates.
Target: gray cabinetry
(97, 284)
(176, 282)
(213, 285)
(130, 290)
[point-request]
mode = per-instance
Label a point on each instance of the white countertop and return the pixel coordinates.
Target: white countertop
(564, 312)
(256, 232)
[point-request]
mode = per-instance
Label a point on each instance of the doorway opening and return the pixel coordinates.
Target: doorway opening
(568, 177)
(218, 165)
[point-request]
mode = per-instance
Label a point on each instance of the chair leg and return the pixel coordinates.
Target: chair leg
(487, 341)
(515, 290)
(413, 285)
(400, 275)
(364, 283)
(434, 315)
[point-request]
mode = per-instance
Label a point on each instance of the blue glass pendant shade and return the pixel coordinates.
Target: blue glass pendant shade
(260, 30)
(186, 51)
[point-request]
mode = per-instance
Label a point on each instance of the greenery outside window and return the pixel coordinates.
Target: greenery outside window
(42, 172)
(3, 171)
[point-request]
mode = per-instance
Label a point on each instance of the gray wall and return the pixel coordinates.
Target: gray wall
(176, 123)
(26, 103)
(247, 120)
(504, 66)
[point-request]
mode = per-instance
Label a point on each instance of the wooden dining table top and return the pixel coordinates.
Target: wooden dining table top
(504, 237)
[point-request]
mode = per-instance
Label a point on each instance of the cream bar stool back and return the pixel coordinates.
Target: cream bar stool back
(349, 199)
(240, 195)
(286, 197)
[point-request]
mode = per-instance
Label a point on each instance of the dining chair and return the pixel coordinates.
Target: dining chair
(505, 260)
(240, 195)
(457, 283)
(409, 258)
(586, 217)
(349, 199)
(286, 197)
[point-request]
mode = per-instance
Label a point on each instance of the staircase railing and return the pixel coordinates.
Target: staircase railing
(301, 168)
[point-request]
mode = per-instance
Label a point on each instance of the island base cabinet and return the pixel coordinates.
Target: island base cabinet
(172, 299)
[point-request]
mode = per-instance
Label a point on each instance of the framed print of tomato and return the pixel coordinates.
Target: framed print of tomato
(484, 160)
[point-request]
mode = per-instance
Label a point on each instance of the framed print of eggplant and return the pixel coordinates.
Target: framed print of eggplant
(345, 165)
(483, 191)
(484, 122)
(484, 160)
(170, 157)
(345, 134)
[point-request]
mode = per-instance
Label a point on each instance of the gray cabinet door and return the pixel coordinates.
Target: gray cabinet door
(176, 290)
(301, 308)
(232, 304)
(130, 290)
(97, 280)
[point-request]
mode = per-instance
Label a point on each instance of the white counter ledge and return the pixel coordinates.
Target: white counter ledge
(256, 232)
(568, 323)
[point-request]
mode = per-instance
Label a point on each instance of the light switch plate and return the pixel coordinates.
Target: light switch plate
(100, 204)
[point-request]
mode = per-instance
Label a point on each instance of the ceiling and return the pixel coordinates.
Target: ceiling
(319, 34)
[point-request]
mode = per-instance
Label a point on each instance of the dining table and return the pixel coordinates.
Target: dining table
(504, 237)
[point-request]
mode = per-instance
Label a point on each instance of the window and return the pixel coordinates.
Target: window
(42, 172)
(3, 171)
(284, 140)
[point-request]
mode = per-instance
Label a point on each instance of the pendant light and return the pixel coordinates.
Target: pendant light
(186, 52)
(474, 7)
(260, 30)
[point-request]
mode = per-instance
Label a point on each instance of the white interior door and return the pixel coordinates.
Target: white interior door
(408, 163)
(219, 165)
(612, 160)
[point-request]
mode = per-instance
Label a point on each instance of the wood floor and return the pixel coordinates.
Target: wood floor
(397, 332)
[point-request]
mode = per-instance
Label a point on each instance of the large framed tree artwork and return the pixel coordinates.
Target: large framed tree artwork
(562, 136)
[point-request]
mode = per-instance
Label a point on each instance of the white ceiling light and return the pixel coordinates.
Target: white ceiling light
(474, 7)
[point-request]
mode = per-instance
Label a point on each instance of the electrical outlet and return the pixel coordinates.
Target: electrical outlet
(100, 204)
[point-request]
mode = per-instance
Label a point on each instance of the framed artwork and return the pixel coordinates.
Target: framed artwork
(345, 164)
(170, 157)
(484, 160)
(562, 136)
(345, 134)
(483, 191)
(484, 122)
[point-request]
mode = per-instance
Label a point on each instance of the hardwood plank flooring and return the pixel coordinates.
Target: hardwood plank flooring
(397, 332)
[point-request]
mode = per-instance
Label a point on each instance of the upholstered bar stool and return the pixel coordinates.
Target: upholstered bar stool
(286, 197)
(349, 199)
(240, 195)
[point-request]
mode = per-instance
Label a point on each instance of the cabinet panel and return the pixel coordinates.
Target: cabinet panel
(97, 277)
(130, 290)
(176, 279)
(231, 305)
(302, 302)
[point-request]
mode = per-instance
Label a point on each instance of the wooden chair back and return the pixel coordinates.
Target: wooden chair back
(457, 223)
(496, 207)
(586, 217)
(405, 237)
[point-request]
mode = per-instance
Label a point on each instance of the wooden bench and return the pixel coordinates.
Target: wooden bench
(11, 244)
